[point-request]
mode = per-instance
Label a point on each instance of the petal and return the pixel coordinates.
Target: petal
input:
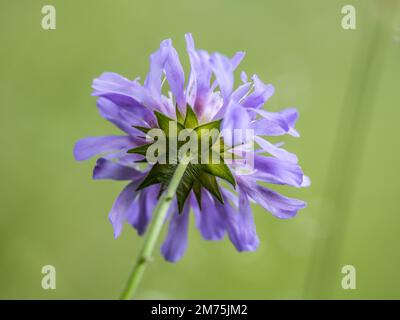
(262, 92)
(280, 206)
(107, 169)
(240, 224)
(198, 87)
(154, 77)
(277, 123)
(223, 70)
(175, 75)
(147, 201)
(276, 151)
(271, 124)
(240, 92)
(122, 208)
(175, 243)
(122, 118)
(208, 220)
(124, 93)
(89, 147)
(277, 171)
(235, 123)
(116, 88)
(306, 182)
(243, 76)
(290, 115)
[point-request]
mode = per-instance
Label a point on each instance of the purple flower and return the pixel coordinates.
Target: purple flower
(207, 97)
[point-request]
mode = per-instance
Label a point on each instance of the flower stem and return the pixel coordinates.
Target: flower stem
(159, 215)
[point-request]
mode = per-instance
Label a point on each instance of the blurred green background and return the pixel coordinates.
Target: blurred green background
(345, 84)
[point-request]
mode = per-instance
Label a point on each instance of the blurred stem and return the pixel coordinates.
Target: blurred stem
(324, 268)
(159, 214)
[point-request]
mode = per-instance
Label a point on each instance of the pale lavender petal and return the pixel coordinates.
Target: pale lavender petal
(235, 123)
(154, 77)
(208, 220)
(243, 76)
(175, 75)
(239, 223)
(266, 127)
(119, 117)
(260, 95)
(306, 182)
(121, 208)
(175, 244)
(280, 206)
(276, 151)
(114, 87)
(237, 59)
(223, 68)
(273, 170)
(280, 122)
(124, 93)
(92, 146)
(107, 169)
(198, 88)
(146, 203)
(291, 115)
(240, 92)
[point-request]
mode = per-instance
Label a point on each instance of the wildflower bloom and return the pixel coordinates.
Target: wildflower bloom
(220, 195)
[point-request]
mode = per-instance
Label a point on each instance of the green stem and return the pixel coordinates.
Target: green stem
(153, 233)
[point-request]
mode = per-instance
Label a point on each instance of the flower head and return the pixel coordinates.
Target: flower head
(219, 192)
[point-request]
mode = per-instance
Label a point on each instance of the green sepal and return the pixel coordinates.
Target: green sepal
(191, 121)
(210, 125)
(220, 170)
(197, 192)
(140, 150)
(210, 183)
(164, 121)
(179, 116)
(183, 191)
(159, 173)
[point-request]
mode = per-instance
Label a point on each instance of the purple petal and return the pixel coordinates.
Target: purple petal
(154, 77)
(208, 220)
(175, 244)
(280, 206)
(240, 224)
(122, 208)
(277, 123)
(243, 76)
(115, 87)
(122, 118)
(223, 70)
(277, 171)
(260, 95)
(175, 75)
(89, 147)
(124, 93)
(198, 88)
(276, 151)
(240, 92)
(291, 115)
(107, 169)
(235, 123)
(146, 203)
(271, 124)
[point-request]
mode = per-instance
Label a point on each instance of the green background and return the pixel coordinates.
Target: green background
(345, 83)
